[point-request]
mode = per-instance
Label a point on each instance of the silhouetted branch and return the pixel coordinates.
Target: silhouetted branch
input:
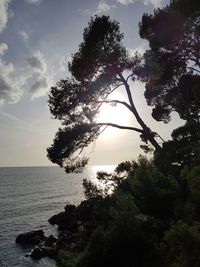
(102, 101)
(116, 102)
(191, 68)
(118, 126)
(129, 76)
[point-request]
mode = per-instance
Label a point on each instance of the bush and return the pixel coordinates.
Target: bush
(182, 245)
(154, 193)
(144, 222)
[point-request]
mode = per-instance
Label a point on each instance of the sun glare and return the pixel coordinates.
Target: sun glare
(114, 114)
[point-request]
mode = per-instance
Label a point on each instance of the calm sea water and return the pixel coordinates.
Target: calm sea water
(29, 196)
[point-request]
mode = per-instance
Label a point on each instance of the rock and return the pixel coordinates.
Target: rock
(37, 253)
(70, 209)
(31, 238)
(50, 240)
(64, 240)
(50, 251)
(65, 221)
(57, 219)
(47, 247)
(76, 225)
(86, 210)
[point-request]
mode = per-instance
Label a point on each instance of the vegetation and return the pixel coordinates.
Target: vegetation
(99, 68)
(146, 221)
(151, 212)
(172, 67)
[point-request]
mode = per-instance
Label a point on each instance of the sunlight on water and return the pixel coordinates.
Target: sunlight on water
(106, 168)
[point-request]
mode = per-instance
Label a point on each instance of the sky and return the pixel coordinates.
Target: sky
(37, 38)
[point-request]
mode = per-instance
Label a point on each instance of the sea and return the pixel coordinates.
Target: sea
(29, 196)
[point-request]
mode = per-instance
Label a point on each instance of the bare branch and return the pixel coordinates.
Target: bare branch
(160, 137)
(191, 68)
(133, 108)
(129, 76)
(77, 156)
(104, 99)
(116, 102)
(81, 150)
(114, 89)
(118, 126)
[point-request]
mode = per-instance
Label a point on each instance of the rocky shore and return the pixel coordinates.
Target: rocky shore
(75, 225)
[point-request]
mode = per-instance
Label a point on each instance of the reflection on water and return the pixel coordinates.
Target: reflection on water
(106, 168)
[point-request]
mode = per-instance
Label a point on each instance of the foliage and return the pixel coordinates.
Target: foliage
(182, 242)
(107, 183)
(172, 68)
(125, 242)
(154, 193)
(67, 259)
(146, 221)
(182, 150)
(172, 64)
(138, 210)
(126, 166)
(192, 177)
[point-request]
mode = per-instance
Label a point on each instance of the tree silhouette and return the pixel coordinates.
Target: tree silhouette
(173, 61)
(172, 67)
(100, 67)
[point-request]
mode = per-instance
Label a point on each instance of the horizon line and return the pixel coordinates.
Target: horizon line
(37, 166)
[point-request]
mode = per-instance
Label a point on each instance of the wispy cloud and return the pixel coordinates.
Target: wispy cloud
(126, 2)
(86, 11)
(155, 3)
(33, 1)
(103, 7)
(3, 13)
(24, 35)
(13, 118)
(21, 124)
(63, 63)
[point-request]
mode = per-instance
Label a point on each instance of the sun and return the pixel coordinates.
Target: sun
(117, 114)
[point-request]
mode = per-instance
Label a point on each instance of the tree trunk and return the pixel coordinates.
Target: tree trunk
(147, 133)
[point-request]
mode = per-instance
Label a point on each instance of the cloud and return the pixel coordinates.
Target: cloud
(10, 85)
(63, 63)
(24, 35)
(38, 71)
(103, 7)
(3, 48)
(37, 61)
(126, 2)
(33, 79)
(3, 13)
(13, 118)
(33, 1)
(21, 124)
(155, 3)
(86, 11)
